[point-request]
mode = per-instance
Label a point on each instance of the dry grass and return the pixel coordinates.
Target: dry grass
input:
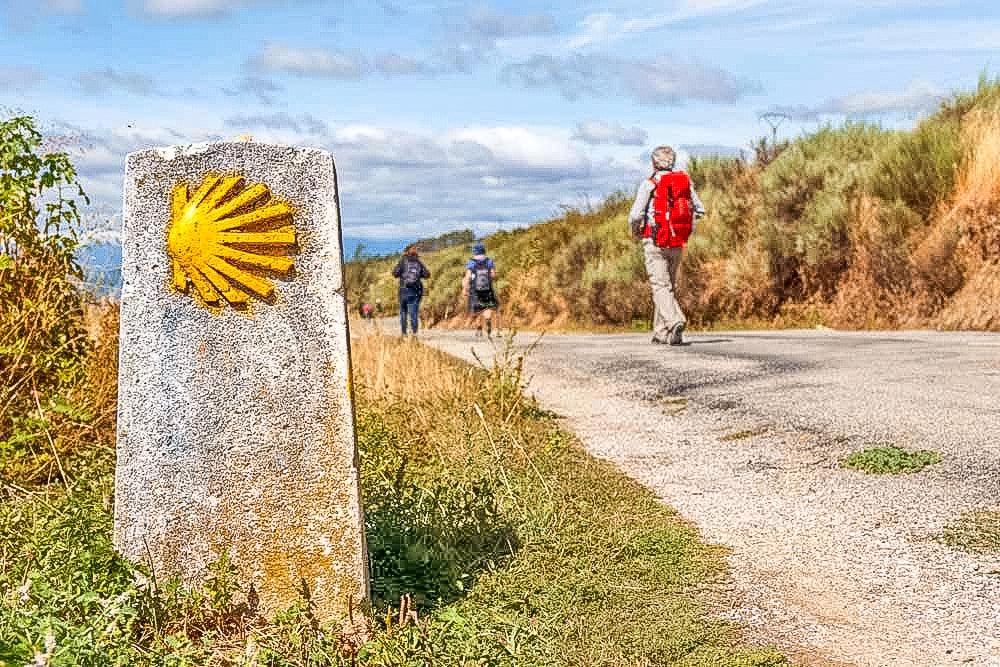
(979, 180)
(384, 373)
(976, 212)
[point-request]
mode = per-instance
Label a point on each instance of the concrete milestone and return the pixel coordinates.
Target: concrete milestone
(235, 420)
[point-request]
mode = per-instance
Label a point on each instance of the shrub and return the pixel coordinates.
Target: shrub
(804, 214)
(41, 313)
(919, 167)
(890, 459)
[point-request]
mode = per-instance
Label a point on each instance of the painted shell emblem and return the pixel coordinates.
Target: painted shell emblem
(227, 238)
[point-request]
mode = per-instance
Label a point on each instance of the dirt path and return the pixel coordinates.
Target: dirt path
(742, 433)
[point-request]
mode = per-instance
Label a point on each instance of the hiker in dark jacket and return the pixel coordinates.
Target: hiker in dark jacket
(477, 287)
(411, 273)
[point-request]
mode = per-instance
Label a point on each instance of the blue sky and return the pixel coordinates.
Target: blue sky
(445, 115)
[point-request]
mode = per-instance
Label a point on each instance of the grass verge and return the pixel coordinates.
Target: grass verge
(503, 540)
(890, 460)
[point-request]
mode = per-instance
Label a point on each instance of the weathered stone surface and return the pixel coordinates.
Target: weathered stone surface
(236, 427)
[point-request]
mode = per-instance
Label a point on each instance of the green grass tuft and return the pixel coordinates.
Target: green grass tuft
(890, 460)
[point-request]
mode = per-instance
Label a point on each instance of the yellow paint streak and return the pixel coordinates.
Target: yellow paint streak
(262, 287)
(229, 292)
(260, 261)
(247, 197)
(203, 226)
(226, 186)
(272, 213)
(285, 235)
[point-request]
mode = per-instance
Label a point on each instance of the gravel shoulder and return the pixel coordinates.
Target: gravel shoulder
(742, 433)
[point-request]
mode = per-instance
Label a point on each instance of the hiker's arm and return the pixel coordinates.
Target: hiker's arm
(398, 271)
(466, 280)
(637, 216)
(424, 271)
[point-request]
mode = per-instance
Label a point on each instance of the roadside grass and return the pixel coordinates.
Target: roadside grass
(976, 532)
(494, 539)
(594, 569)
(889, 460)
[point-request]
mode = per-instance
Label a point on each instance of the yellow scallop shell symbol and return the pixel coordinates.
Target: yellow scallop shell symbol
(226, 238)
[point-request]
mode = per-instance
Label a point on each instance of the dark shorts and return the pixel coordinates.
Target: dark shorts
(480, 301)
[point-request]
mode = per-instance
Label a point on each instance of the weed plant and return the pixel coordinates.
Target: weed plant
(890, 460)
(42, 338)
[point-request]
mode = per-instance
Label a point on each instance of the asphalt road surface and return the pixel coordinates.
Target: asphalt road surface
(743, 434)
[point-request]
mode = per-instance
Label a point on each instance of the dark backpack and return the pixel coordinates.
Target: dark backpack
(482, 281)
(411, 273)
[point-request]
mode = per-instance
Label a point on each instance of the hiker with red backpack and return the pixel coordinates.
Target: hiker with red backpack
(411, 273)
(663, 216)
(477, 287)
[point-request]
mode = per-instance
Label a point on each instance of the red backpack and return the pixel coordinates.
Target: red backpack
(673, 216)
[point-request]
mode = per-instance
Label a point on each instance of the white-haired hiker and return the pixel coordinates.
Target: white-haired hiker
(663, 216)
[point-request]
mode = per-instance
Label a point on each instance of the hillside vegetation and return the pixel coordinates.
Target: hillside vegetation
(851, 226)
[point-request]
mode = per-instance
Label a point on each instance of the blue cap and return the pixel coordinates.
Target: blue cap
(479, 249)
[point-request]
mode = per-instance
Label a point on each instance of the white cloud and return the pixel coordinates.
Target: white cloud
(397, 183)
(917, 98)
(522, 148)
(192, 8)
(301, 124)
(393, 64)
(171, 8)
(711, 150)
(597, 132)
(262, 89)
(494, 25)
(604, 27)
(309, 61)
(661, 81)
(108, 80)
(916, 36)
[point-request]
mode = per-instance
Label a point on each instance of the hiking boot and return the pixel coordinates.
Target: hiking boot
(676, 335)
(658, 341)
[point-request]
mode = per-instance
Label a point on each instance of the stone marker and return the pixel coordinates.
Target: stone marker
(235, 416)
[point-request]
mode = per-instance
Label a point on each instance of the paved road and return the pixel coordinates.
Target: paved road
(742, 433)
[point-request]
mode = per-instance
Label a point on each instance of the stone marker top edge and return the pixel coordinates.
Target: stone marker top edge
(169, 153)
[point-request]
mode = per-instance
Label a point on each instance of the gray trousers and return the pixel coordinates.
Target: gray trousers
(661, 267)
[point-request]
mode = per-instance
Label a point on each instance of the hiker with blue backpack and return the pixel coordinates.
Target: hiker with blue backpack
(663, 216)
(477, 287)
(411, 273)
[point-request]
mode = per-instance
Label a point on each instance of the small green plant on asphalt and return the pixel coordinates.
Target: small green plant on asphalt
(975, 532)
(890, 460)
